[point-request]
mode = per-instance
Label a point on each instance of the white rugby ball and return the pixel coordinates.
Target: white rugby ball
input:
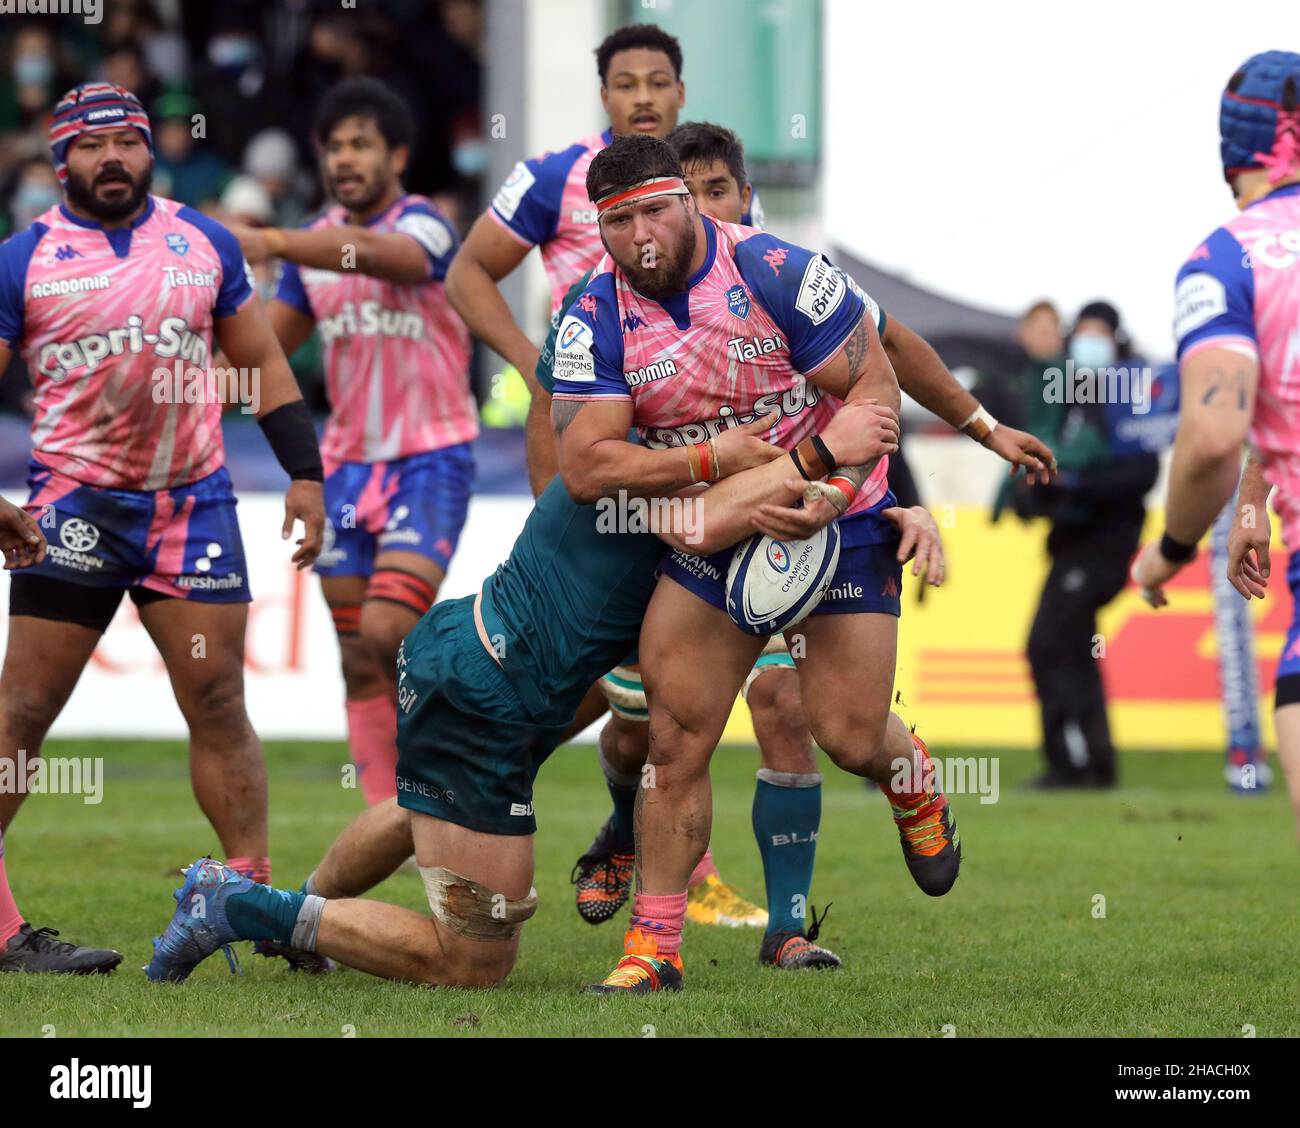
(773, 584)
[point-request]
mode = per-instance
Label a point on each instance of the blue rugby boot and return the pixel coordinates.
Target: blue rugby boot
(200, 925)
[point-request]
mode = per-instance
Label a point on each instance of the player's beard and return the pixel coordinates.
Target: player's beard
(373, 194)
(669, 277)
(82, 194)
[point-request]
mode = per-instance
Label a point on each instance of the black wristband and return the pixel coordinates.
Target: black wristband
(292, 436)
(799, 466)
(1175, 551)
(828, 459)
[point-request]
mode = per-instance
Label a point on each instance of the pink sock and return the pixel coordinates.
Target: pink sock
(11, 920)
(662, 918)
(259, 868)
(706, 868)
(372, 739)
(921, 778)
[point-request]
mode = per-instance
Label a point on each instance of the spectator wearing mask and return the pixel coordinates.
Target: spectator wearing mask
(186, 168)
(35, 190)
(1096, 508)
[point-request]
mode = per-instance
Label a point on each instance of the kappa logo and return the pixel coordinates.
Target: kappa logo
(631, 323)
(587, 303)
(775, 258)
(66, 252)
(738, 302)
(891, 588)
(78, 535)
(177, 243)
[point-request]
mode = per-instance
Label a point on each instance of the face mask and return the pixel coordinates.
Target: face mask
(33, 70)
(1089, 350)
(231, 52)
(469, 157)
(32, 200)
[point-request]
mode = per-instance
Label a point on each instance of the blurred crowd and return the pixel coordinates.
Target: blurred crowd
(231, 88)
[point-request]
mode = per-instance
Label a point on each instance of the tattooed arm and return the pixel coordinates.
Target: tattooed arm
(1218, 400)
(860, 369)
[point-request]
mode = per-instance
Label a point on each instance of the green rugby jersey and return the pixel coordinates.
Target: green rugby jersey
(566, 606)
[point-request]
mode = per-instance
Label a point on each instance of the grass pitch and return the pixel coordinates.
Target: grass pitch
(1198, 936)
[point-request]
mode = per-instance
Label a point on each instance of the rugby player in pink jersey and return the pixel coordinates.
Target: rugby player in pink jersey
(110, 295)
(787, 794)
(721, 324)
(369, 274)
(1237, 321)
(544, 204)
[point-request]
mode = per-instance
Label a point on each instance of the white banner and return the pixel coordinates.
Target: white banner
(294, 687)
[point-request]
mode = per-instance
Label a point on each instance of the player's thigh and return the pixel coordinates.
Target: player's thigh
(500, 867)
(202, 646)
(846, 674)
(694, 660)
(43, 661)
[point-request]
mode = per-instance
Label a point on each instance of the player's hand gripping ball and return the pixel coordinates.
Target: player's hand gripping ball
(774, 584)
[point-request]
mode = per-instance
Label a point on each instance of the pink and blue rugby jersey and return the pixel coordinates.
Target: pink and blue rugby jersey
(396, 354)
(758, 317)
(1240, 290)
(96, 313)
(544, 203)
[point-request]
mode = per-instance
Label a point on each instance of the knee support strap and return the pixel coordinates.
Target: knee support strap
(472, 909)
(406, 589)
(625, 692)
(775, 656)
(347, 618)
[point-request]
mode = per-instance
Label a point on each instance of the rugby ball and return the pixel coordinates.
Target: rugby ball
(773, 584)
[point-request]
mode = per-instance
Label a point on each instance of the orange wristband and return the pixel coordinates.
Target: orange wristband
(693, 459)
(705, 455)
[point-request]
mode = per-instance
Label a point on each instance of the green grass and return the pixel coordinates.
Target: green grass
(1198, 937)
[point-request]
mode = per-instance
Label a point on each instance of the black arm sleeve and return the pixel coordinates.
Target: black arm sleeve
(292, 436)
